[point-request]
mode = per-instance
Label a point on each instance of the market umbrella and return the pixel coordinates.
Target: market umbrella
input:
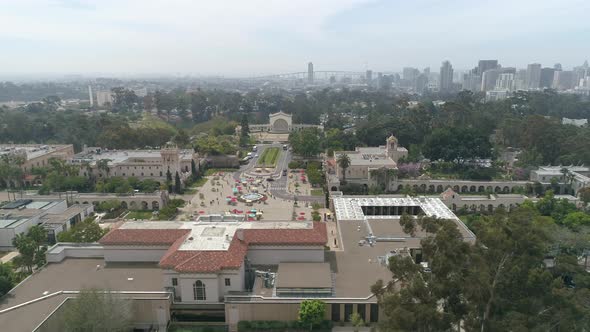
(201, 212)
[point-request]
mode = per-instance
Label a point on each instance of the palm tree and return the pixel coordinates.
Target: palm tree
(344, 163)
(383, 176)
(103, 165)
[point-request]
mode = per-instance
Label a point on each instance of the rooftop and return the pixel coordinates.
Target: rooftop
(30, 150)
(127, 156)
(350, 208)
(72, 274)
(304, 275)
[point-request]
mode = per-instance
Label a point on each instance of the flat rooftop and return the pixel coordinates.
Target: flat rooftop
(31, 151)
(212, 235)
(128, 156)
(350, 208)
(304, 275)
(73, 275)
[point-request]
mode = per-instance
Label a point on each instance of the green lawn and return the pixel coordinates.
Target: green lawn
(139, 215)
(317, 192)
(269, 157)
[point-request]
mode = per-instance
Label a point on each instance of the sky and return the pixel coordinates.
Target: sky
(258, 37)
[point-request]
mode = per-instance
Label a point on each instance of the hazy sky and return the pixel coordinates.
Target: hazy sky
(251, 37)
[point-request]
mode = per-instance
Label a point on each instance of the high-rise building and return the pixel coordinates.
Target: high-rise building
(446, 77)
(520, 80)
(533, 75)
(420, 83)
(484, 65)
(90, 96)
(557, 66)
(505, 82)
(489, 78)
(546, 78)
(103, 98)
(426, 71)
(310, 73)
(472, 80)
(563, 80)
(369, 76)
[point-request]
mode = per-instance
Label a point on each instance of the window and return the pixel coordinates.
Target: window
(174, 282)
(227, 281)
(199, 291)
(361, 309)
(374, 313)
(335, 312)
(347, 311)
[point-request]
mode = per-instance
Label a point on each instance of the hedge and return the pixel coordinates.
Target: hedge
(280, 326)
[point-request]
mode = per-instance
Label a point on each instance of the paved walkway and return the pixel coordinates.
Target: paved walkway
(9, 256)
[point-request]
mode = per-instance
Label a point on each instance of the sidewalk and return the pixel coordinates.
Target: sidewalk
(8, 257)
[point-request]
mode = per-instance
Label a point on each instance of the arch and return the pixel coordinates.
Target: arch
(133, 205)
(431, 188)
(400, 187)
(423, 188)
(489, 189)
(506, 190)
(472, 189)
(124, 204)
(456, 189)
(510, 207)
(155, 205)
(464, 189)
(490, 208)
(482, 208)
(501, 206)
(85, 202)
(481, 189)
(280, 125)
(76, 202)
(415, 188)
(144, 205)
(199, 291)
(333, 188)
(473, 208)
(439, 188)
(497, 189)
(454, 207)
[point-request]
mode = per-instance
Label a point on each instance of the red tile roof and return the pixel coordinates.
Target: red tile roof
(143, 237)
(207, 261)
(315, 236)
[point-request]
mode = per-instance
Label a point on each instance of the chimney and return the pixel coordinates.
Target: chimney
(240, 234)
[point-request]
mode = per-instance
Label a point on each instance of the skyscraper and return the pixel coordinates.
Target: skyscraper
(484, 65)
(546, 77)
(563, 80)
(557, 66)
(369, 76)
(505, 82)
(446, 77)
(310, 73)
(489, 78)
(90, 96)
(533, 75)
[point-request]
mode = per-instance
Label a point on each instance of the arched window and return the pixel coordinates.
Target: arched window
(199, 291)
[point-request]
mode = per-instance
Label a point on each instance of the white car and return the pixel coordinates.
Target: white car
(256, 156)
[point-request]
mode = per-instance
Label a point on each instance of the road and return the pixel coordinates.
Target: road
(278, 187)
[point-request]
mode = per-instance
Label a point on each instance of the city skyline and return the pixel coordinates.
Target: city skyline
(258, 38)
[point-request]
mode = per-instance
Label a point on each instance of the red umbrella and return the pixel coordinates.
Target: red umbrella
(201, 212)
(301, 218)
(301, 213)
(250, 219)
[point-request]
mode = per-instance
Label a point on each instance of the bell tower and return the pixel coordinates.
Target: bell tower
(170, 158)
(391, 147)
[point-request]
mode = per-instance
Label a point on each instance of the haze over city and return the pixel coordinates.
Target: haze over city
(249, 38)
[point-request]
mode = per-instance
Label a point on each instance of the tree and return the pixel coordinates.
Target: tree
(86, 231)
(311, 312)
(356, 320)
(456, 145)
(7, 278)
(96, 310)
(584, 195)
(343, 162)
(383, 177)
(194, 173)
(245, 128)
(31, 248)
(177, 184)
(103, 166)
(169, 180)
(181, 139)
